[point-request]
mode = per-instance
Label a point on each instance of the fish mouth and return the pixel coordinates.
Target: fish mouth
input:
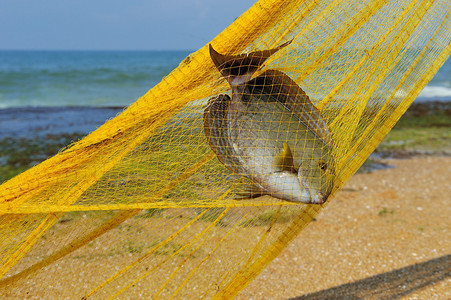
(322, 197)
(316, 198)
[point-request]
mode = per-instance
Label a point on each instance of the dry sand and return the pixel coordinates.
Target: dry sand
(387, 235)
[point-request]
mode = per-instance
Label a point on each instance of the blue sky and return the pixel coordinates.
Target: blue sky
(115, 24)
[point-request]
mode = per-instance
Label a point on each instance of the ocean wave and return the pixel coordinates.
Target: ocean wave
(82, 76)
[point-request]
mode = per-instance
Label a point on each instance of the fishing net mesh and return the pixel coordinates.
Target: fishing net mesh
(142, 207)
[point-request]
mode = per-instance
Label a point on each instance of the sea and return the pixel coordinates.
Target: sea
(47, 92)
(81, 78)
(110, 78)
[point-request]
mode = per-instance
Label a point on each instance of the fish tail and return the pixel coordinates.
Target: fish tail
(238, 69)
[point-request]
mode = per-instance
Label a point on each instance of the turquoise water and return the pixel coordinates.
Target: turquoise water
(109, 78)
(81, 78)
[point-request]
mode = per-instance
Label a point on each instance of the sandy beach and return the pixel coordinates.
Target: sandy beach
(386, 235)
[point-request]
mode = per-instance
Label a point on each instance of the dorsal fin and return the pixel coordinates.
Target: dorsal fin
(216, 131)
(238, 69)
(284, 160)
(287, 92)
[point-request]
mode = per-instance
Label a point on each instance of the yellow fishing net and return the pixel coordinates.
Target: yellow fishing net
(145, 206)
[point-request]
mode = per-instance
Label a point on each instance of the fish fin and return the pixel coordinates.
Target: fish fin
(216, 131)
(287, 92)
(251, 192)
(238, 69)
(284, 160)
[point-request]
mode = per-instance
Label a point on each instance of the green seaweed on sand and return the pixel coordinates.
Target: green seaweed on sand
(18, 155)
(425, 129)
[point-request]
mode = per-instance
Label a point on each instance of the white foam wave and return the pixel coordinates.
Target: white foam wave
(435, 91)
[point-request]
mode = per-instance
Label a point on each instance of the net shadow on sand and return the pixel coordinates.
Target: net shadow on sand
(390, 285)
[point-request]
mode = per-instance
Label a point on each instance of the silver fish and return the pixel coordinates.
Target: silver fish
(269, 131)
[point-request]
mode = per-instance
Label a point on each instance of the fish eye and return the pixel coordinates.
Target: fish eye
(322, 165)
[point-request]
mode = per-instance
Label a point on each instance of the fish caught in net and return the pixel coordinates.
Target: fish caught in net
(270, 132)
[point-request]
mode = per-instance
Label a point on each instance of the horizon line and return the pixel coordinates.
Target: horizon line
(131, 50)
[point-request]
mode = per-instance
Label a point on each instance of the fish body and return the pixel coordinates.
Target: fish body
(269, 131)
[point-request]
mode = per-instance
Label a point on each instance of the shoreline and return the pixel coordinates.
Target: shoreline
(30, 135)
(38, 122)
